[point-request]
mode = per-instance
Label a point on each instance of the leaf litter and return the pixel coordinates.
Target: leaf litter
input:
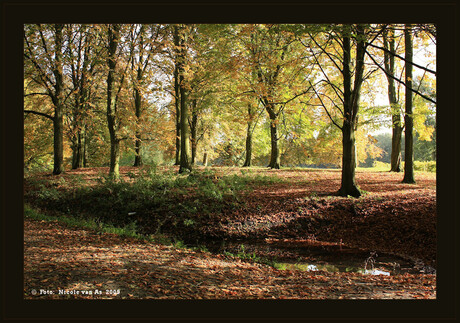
(391, 217)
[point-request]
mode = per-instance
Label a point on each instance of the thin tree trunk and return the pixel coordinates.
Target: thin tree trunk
(396, 144)
(77, 152)
(77, 141)
(138, 100)
(138, 106)
(194, 130)
(111, 103)
(205, 158)
(247, 161)
(389, 44)
(408, 120)
(184, 138)
(81, 148)
(85, 150)
(177, 96)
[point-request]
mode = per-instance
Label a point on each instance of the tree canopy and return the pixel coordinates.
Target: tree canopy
(226, 94)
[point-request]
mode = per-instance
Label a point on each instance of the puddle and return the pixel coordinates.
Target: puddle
(312, 255)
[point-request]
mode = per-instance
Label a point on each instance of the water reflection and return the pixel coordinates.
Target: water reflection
(308, 255)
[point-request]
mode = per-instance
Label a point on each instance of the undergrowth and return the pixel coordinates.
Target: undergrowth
(156, 198)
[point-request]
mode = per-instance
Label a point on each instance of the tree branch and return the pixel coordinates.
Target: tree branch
(398, 80)
(30, 94)
(327, 78)
(40, 114)
(322, 103)
(402, 58)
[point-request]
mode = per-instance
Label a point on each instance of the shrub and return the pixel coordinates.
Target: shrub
(425, 166)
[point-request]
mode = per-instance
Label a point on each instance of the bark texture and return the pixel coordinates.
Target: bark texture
(408, 120)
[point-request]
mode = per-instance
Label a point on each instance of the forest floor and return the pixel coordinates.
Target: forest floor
(284, 206)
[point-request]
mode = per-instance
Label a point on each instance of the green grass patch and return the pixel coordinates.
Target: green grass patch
(150, 192)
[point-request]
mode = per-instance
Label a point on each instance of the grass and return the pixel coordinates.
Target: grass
(251, 257)
(129, 230)
(147, 193)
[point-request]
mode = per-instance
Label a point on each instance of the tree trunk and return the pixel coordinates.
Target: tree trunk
(205, 158)
(177, 96)
(85, 155)
(350, 109)
(184, 129)
(396, 144)
(58, 143)
(389, 44)
(247, 161)
(138, 106)
(114, 158)
(58, 121)
(348, 186)
(194, 130)
(137, 151)
(184, 133)
(408, 120)
(275, 152)
(77, 140)
(113, 35)
(81, 148)
(77, 151)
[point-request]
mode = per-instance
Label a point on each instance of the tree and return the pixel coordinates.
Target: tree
(349, 95)
(241, 84)
(427, 31)
(146, 42)
(177, 93)
(251, 123)
(45, 59)
(185, 164)
(275, 59)
(389, 55)
(38, 140)
(83, 56)
(408, 118)
(115, 79)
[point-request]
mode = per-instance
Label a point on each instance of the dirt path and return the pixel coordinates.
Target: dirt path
(76, 263)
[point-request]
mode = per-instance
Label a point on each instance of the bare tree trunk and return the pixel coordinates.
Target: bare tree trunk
(408, 120)
(58, 99)
(58, 143)
(205, 158)
(85, 155)
(350, 109)
(77, 151)
(184, 134)
(113, 34)
(177, 96)
(185, 164)
(348, 185)
(81, 148)
(247, 161)
(138, 106)
(396, 144)
(275, 152)
(194, 130)
(389, 44)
